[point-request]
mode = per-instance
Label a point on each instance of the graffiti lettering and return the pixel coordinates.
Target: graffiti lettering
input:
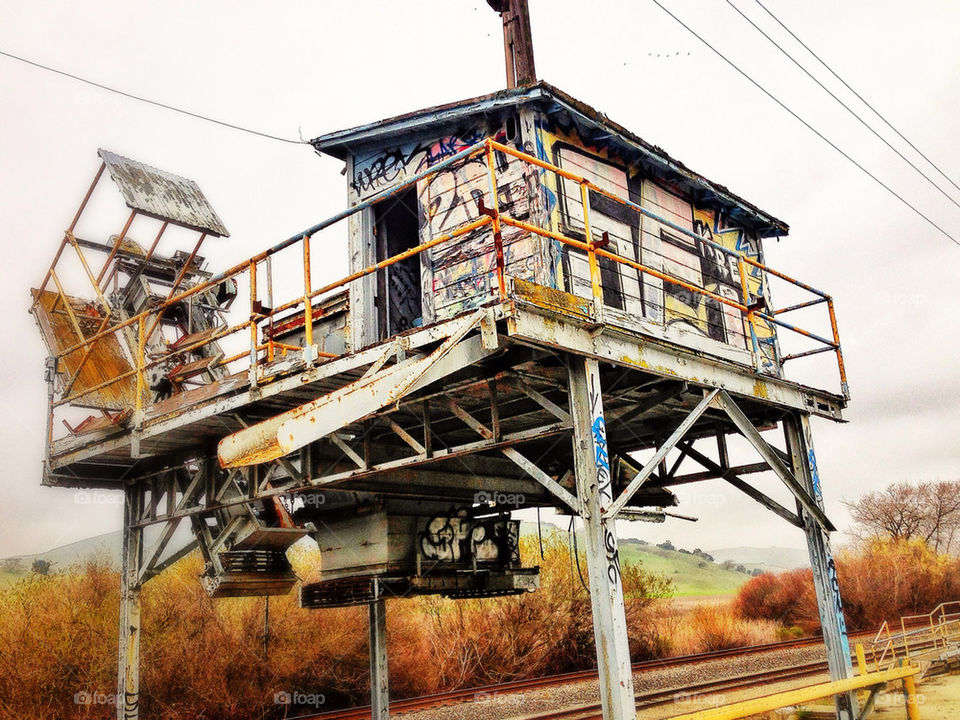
(601, 454)
(378, 172)
(613, 555)
(457, 538)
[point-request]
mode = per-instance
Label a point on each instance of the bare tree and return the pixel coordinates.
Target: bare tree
(929, 511)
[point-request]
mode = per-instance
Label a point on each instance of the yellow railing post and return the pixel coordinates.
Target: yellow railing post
(307, 303)
(497, 235)
(861, 667)
(141, 364)
(751, 322)
(595, 279)
(845, 388)
(911, 698)
(253, 324)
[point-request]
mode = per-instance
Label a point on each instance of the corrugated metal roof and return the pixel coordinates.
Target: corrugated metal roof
(338, 144)
(163, 195)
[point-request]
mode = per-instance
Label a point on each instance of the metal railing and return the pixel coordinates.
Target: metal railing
(937, 630)
(147, 321)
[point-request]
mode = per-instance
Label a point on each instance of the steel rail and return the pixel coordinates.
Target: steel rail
(644, 699)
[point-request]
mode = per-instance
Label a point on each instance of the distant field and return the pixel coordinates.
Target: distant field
(8, 578)
(689, 578)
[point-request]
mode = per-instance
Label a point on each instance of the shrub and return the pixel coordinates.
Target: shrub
(879, 580)
(204, 658)
(712, 626)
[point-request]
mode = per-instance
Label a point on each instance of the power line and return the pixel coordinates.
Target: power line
(859, 96)
(151, 102)
(805, 123)
(842, 103)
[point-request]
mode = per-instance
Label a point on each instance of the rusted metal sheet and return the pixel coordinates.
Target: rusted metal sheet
(162, 195)
(107, 359)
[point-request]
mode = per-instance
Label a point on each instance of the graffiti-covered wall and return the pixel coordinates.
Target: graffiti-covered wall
(680, 241)
(654, 244)
(461, 274)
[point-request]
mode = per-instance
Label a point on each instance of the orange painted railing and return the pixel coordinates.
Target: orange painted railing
(147, 321)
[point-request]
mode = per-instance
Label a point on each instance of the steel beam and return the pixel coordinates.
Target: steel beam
(731, 477)
(650, 355)
(772, 456)
(658, 457)
(521, 461)
(128, 662)
(595, 490)
(832, 621)
(379, 673)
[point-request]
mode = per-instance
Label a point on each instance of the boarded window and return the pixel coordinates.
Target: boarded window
(621, 283)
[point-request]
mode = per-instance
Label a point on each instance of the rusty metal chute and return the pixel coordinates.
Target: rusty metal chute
(289, 431)
(60, 324)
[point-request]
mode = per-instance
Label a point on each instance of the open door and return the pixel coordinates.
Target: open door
(399, 299)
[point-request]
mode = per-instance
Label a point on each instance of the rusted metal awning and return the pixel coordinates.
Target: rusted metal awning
(163, 195)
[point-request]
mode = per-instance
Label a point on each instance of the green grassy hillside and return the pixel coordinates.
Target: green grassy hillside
(691, 574)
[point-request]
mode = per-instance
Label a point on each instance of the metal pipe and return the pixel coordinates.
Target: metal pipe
(653, 216)
(637, 266)
(141, 343)
(836, 339)
(307, 304)
(798, 306)
(469, 227)
(462, 230)
(253, 323)
(806, 353)
(116, 246)
(595, 281)
(73, 224)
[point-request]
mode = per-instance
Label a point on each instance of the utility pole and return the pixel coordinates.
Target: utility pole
(517, 41)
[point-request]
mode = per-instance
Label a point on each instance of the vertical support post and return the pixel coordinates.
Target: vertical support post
(595, 490)
(841, 368)
(910, 698)
(307, 303)
(128, 667)
(141, 364)
(517, 41)
(751, 321)
(50, 377)
(861, 669)
(269, 267)
(833, 624)
(595, 279)
(254, 309)
(379, 676)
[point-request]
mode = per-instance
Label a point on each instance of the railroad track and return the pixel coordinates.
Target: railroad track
(588, 712)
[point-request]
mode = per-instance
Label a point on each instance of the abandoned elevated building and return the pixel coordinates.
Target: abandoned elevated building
(542, 310)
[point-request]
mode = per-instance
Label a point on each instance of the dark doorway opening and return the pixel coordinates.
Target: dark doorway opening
(397, 227)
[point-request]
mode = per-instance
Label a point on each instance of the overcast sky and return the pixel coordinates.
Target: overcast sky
(310, 68)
